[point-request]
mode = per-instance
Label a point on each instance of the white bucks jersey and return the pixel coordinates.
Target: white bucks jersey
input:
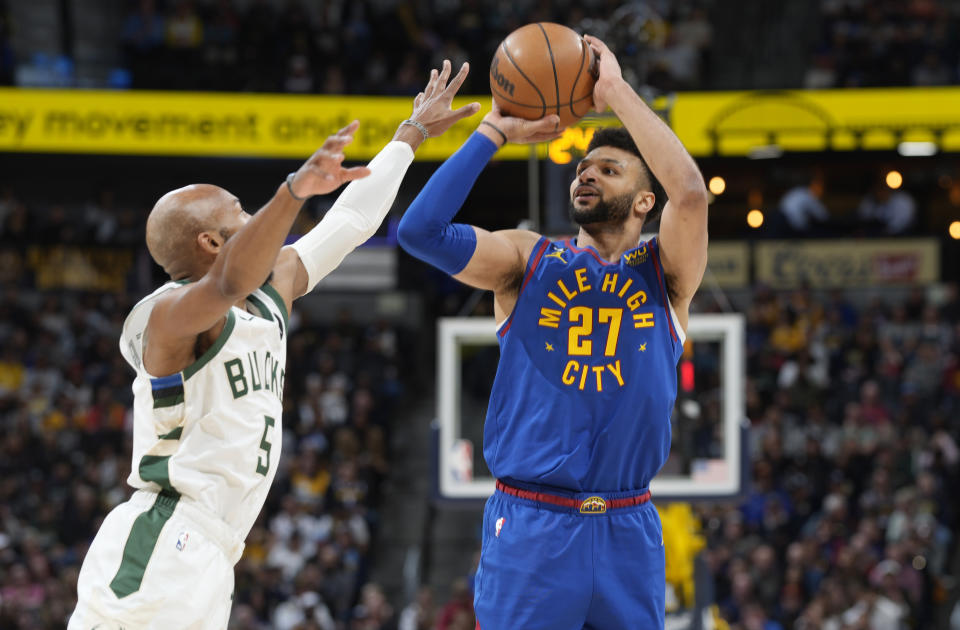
(212, 432)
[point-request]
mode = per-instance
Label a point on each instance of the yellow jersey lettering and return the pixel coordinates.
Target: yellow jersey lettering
(581, 275)
(576, 373)
(615, 370)
(570, 294)
(611, 316)
(553, 297)
(635, 300)
(598, 370)
(623, 289)
(549, 317)
(609, 283)
(567, 377)
(575, 344)
(643, 320)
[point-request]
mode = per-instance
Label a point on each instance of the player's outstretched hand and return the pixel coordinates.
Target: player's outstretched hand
(521, 130)
(608, 69)
(324, 171)
(431, 108)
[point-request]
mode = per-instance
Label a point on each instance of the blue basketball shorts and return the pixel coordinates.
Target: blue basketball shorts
(576, 567)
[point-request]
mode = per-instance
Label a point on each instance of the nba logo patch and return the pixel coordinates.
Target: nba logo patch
(500, 522)
(182, 540)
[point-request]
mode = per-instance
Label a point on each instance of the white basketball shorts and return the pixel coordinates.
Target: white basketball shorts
(158, 561)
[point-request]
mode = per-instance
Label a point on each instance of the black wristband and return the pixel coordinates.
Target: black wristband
(290, 187)
(495, 128)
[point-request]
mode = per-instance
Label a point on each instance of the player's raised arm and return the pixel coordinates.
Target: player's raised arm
(201, 233)
(683, 225)
(362, 206)
(482, 259)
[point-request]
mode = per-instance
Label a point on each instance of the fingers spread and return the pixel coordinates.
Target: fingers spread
(349, 129)
(330, 160)
(432, 84)
(459, 79)
(445, 73)
(466, 110)
(334, 143)
(357, 172)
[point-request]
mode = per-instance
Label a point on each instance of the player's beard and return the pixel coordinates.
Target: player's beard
(613, 211)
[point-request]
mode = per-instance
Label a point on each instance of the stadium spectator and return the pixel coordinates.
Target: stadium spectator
(886, 211)
(801, 210)
(419, 614)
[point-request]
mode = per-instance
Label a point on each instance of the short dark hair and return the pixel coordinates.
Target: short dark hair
(619, 138)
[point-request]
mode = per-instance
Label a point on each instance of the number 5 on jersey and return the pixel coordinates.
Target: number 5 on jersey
(263, 461)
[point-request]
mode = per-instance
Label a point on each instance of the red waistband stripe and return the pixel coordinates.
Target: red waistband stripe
(590, 505)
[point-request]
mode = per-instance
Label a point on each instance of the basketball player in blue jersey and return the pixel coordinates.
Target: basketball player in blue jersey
(590, 332)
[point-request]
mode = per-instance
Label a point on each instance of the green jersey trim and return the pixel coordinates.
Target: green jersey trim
(264, 311)
(172, 435)
(212, 351)
(156, 468)
(168, 401)
(140, 544)
(272, 293)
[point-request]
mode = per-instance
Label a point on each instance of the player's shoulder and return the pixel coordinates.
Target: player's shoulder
(147, 303)
(136, 322)
(524, 240)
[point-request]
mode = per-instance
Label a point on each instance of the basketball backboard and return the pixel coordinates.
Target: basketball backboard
(707, 456)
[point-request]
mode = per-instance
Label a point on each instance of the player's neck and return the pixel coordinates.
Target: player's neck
(611, 244)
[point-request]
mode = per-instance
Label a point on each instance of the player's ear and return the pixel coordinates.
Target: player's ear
(643, 202)
(209, 242)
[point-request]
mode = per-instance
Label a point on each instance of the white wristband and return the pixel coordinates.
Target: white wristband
(356, 215)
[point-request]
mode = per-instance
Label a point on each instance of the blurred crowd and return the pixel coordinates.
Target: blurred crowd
(889, 43)
(65, 448)
(98, 221)
(849, 521)
(342, 47)
(384, 47)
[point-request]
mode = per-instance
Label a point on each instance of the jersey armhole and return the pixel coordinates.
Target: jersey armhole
(673, 322)
(212, 351)
(274, 295)
(535, 256)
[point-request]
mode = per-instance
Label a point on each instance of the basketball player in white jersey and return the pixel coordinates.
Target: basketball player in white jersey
(209, 349)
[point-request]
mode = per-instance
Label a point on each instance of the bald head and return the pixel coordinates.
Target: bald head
(176, 221)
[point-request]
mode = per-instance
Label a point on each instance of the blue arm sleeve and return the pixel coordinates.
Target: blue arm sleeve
(425, 230)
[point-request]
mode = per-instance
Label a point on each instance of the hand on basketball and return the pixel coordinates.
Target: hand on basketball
(521, 130)
(609, 72)
(324, 171)
(431, 108)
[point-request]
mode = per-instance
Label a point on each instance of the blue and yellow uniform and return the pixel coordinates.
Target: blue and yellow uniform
(578, 425)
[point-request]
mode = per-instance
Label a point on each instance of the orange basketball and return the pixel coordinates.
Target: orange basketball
(543, 68)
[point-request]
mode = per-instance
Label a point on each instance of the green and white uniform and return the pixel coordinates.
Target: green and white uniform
(206, 442)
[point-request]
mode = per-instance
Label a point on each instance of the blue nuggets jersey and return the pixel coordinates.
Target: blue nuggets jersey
(588, 372)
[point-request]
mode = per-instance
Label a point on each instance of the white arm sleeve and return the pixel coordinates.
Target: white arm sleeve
(356, 214)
